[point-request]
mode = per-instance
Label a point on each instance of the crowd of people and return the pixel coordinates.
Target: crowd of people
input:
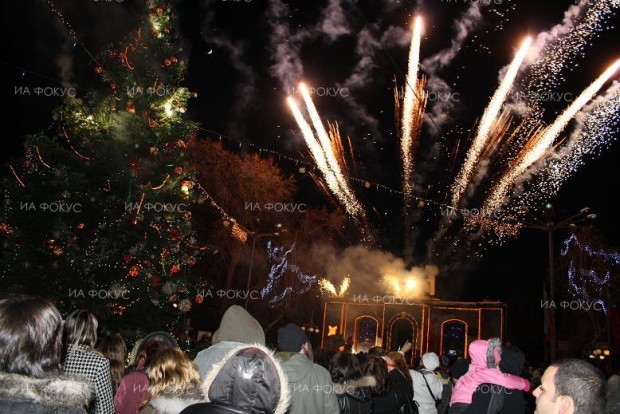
(51, 365)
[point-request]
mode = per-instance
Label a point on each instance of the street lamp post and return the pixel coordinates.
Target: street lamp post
(254, 238)
(550, 226)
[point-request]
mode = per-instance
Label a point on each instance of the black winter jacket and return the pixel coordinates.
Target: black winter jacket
(354, 397)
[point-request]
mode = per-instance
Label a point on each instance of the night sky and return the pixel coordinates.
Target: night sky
(355, 50)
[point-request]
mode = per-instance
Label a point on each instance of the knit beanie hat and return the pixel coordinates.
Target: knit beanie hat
(291, 338)
(430, 361)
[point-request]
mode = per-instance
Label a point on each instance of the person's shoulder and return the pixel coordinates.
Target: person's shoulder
(321, 369)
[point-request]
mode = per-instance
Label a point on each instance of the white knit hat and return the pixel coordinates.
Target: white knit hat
(430, 361)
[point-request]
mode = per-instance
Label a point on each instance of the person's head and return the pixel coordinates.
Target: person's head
(377, 368)
(377, 351)
(571, 386)
(344, 366)
(459, 368)
(485, 353)
(81, 328)
(171, 371)
(291, 338)
(512, 360)
(149, 349)
(114, 349)
(30, 336)
(430, 360)
(248, 379)
(237, 325)
(138, 354)
(400, 363)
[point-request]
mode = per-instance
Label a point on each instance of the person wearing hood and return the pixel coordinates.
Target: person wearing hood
(485, 357)
(427, 387)
(174, 382)
(312, 389)
(237, 327)
(491, 398)
(352, 389)
(248, 379)
(31, 381)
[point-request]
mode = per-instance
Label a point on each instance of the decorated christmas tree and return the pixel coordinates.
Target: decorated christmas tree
(97, 212)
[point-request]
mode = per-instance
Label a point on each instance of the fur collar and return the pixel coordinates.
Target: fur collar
(350, 386)
(53, 391)
(285, 394)
(174, 402)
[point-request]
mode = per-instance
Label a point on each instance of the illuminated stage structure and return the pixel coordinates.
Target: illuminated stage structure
(428, 323)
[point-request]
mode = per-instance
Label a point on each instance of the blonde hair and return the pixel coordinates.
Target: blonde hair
(171, 371)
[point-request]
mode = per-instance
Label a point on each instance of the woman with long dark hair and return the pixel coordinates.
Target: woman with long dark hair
(31, 380)
(352, 389)
(384, 398)
(114, 349)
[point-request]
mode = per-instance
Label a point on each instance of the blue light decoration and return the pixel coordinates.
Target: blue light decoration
(592, 284)
(278, 257)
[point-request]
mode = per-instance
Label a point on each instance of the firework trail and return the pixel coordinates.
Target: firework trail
(596, 123)
(541, 142)
(555, 50)
(324, 140)
(322, 151)
(329, 287)
(411, 119)
(486, 124)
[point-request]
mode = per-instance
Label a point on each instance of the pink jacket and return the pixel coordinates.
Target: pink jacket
(478, 374)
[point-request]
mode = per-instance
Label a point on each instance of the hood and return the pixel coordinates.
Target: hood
(512, 360)
(485, 353)
(172, 403)
(54, 391)
(238, 325)
(250, 379)
(355, 388)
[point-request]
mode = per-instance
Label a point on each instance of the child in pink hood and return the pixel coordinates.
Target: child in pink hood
(485, 357)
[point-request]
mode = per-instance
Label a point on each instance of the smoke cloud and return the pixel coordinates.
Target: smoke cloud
(367, 266)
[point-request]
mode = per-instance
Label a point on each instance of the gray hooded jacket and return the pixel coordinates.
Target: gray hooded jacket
(237, 327)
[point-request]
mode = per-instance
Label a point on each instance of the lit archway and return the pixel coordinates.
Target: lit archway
(365, 333)
(401, 328)
(454, 337)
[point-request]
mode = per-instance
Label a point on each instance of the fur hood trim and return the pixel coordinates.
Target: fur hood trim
(53, 391)
(350, 386)
(285, 394)
(171, 403)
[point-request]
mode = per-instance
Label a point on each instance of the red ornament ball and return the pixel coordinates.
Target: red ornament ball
(98, 69)
(58, 250)
(134, 271)
(159, 10)
(113, 86)
(178, 170)
(199, 299)
(167, 62)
